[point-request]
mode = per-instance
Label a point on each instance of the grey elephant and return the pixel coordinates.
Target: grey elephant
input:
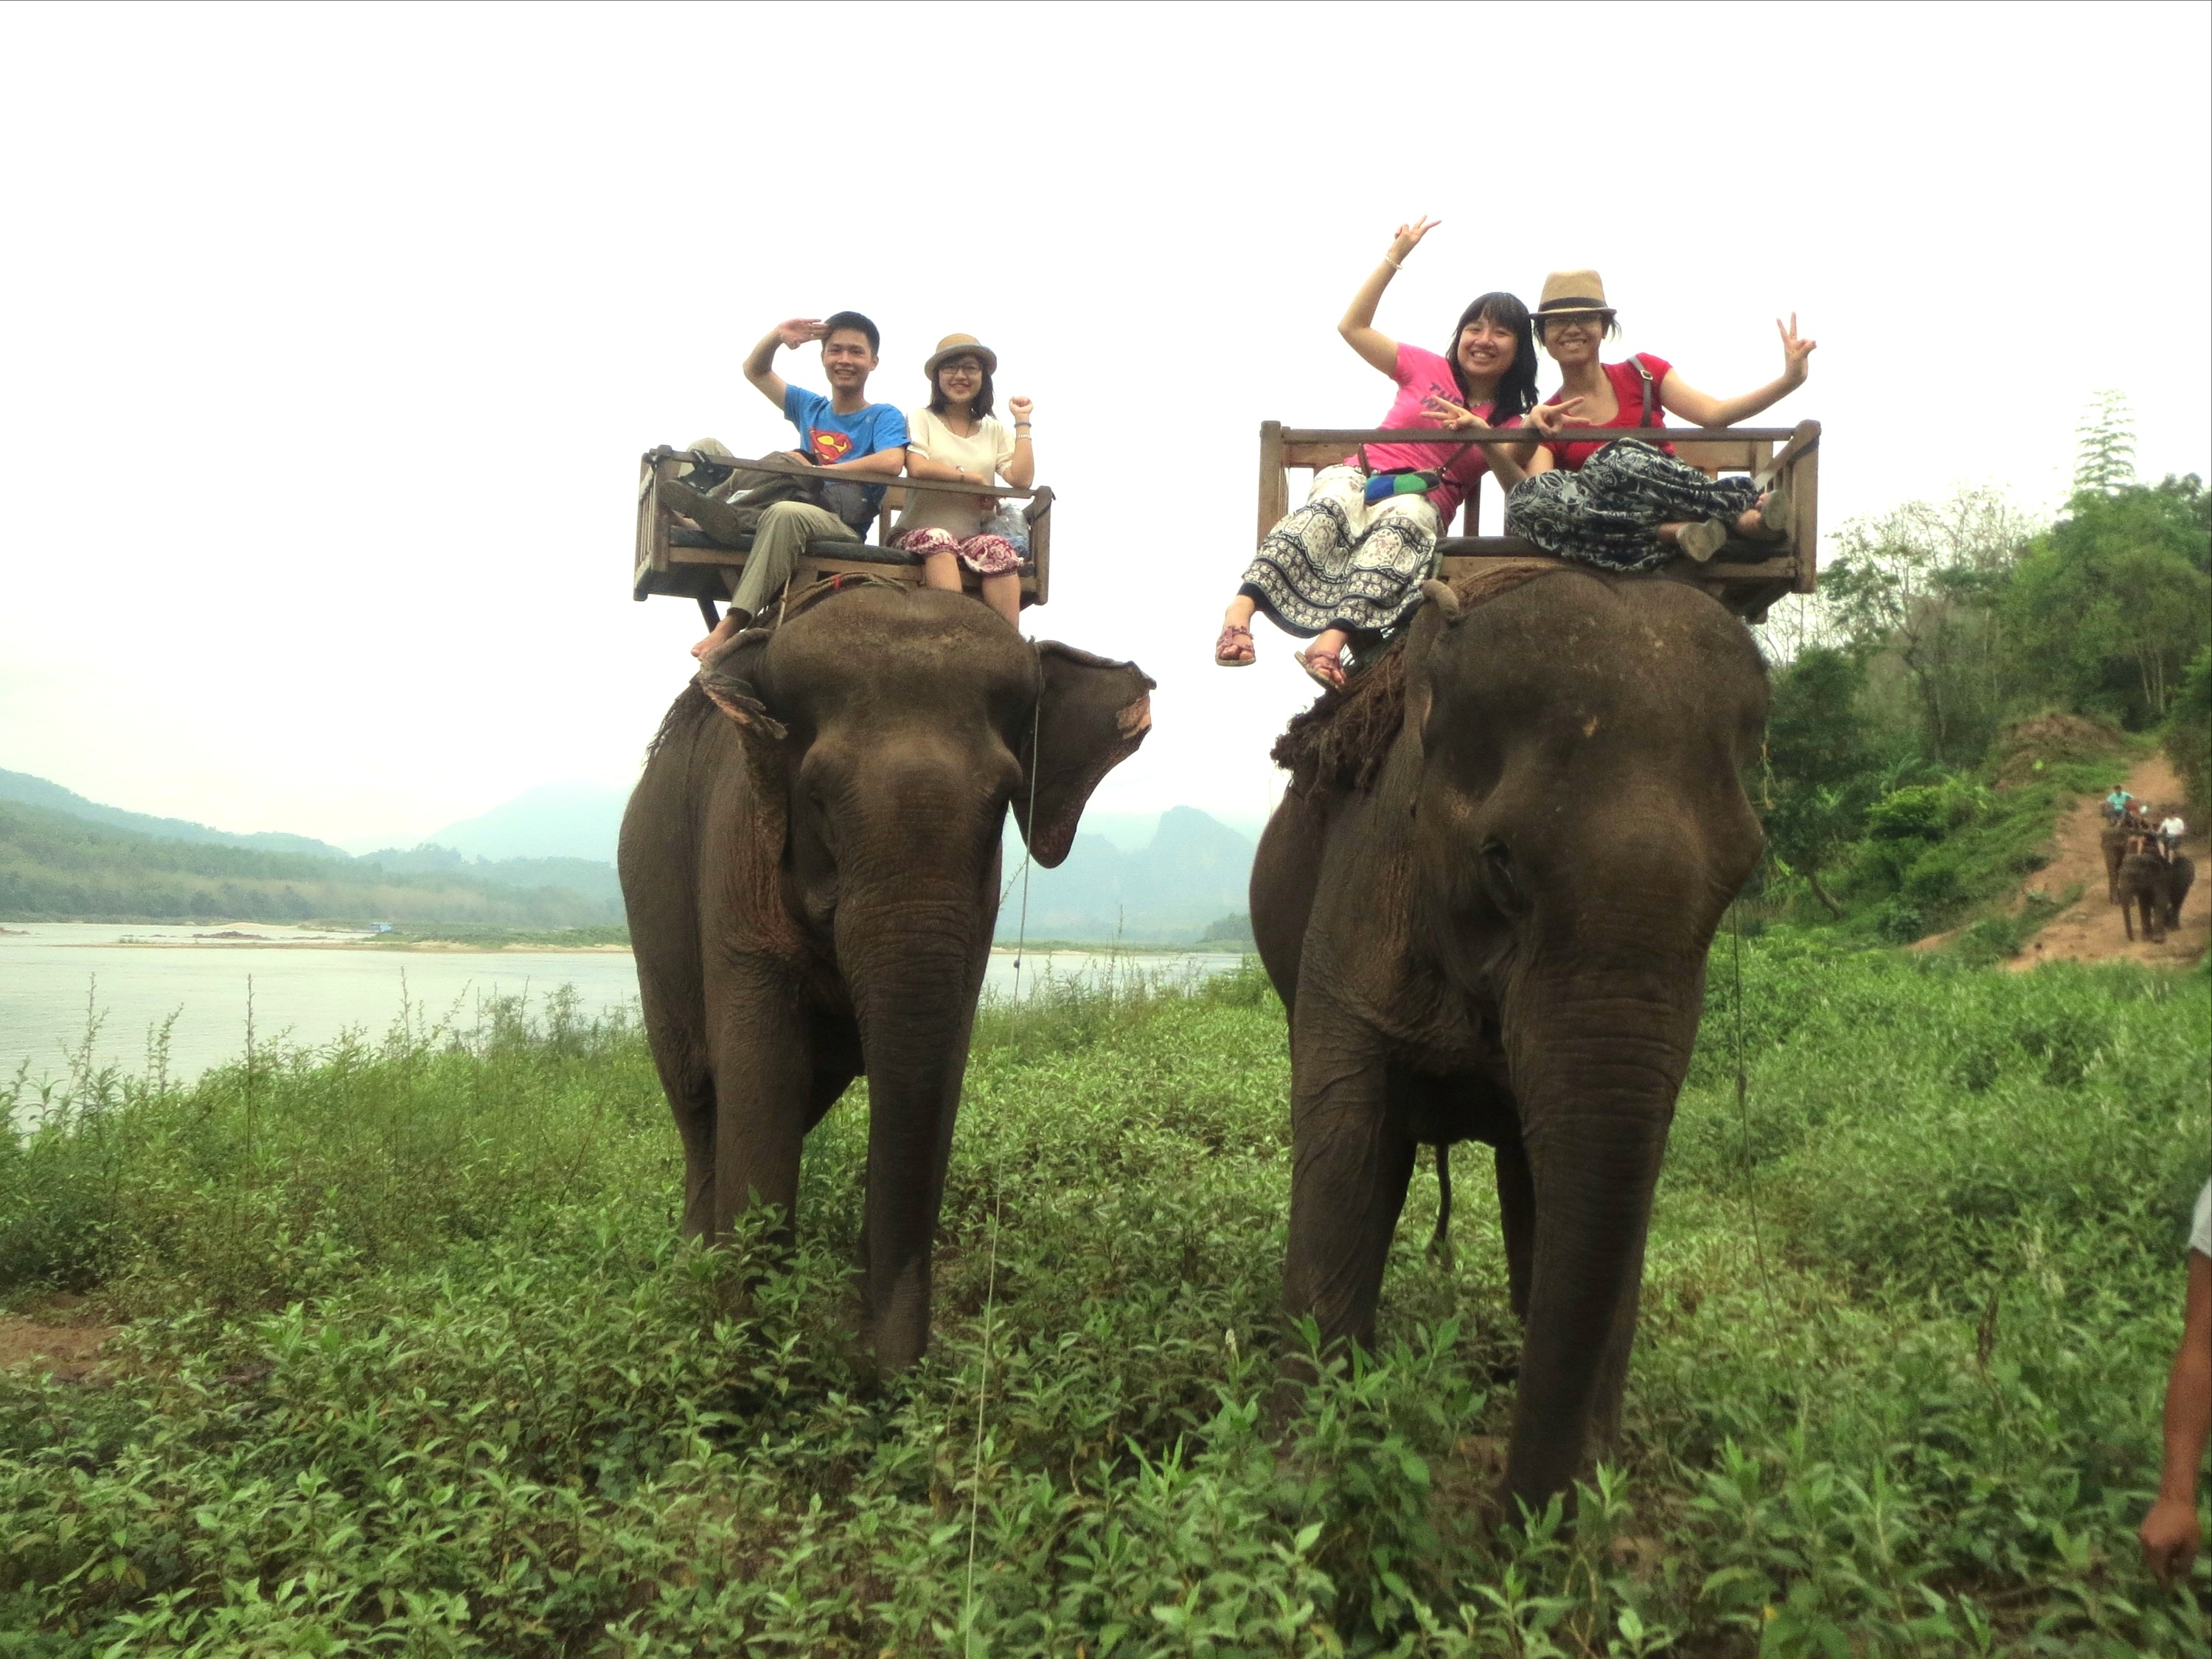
(2154, 887)
(812, 865)
(1488, 919)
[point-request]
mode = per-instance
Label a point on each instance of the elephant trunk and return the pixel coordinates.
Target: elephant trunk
(914, 965)
(1597, 1060)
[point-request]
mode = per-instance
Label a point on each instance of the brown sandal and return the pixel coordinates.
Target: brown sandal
(1324, 668)
(1230, 635)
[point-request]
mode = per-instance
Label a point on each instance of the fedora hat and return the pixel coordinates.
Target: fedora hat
(952, 345)
(1573, 294)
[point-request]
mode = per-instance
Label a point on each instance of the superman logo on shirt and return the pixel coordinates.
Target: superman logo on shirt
(829, 445)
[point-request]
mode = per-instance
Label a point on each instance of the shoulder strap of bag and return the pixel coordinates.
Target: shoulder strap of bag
(1635, 361)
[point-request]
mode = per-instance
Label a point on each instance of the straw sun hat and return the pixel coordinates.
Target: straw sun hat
(953, 345)
(1573, 294)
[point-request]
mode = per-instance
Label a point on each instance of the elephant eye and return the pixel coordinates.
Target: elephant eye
(1502, 878)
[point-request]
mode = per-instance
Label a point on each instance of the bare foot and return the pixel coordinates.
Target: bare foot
(725, 631)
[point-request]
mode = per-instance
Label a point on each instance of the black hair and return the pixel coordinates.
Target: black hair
(852, 319)
(1516, 388)
(937, 402)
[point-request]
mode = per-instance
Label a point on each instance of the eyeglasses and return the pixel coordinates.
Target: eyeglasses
(961, 366)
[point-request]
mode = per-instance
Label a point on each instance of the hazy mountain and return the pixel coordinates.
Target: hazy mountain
(573, 820)
(1192, 873)
(61, 867)
(22, 787)
(588, 877)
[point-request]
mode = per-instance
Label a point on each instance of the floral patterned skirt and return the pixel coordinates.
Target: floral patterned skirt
(987, 556)
(1340, 562)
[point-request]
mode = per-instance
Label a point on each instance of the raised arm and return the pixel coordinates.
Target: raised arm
(1678, 396)
(794, 333)
(1021, 471)
(1357, 325)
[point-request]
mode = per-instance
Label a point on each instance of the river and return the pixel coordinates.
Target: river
(308, 987)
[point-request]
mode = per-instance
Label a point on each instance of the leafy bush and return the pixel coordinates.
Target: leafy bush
(418, 1364)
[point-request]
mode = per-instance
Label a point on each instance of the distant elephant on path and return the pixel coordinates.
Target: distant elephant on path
(2112, 842)
(811, 868)
(1488, 919)
(2155, 887)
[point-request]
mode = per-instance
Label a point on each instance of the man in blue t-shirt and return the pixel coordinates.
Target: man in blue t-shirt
(842, 434)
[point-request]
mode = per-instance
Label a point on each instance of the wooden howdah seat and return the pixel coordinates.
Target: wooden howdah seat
(1747, 576)
(673, 558)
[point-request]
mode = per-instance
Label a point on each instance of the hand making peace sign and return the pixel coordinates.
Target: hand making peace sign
(1794, 351)
(1409, 237)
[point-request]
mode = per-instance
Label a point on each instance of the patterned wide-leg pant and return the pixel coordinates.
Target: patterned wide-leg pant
(1609, 512)
(1339, 563)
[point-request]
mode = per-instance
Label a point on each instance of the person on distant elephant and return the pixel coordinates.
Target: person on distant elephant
(843, 433)
(1351, 562)
(957, 440)
(1627, 503)
(2116, 803)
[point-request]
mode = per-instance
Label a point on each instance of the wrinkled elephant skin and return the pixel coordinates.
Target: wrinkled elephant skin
(811, 864)
(1504, 939)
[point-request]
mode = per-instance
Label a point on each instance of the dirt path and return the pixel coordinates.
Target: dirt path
(59, 1335)
(2090, 929)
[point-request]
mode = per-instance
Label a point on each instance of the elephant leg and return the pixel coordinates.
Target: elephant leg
(1517, 1211)
(2128, 916)
(1440, 1245)
(680, 1056)
(1352, 1156)
(762, 1074)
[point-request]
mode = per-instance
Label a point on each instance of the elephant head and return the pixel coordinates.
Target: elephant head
(885, 733)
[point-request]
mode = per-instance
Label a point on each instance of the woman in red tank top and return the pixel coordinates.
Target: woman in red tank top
(1627, 503)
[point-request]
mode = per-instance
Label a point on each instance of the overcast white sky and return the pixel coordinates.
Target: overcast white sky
(330, 336)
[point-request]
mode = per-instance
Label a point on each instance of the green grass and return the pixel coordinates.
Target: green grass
(415, 1365)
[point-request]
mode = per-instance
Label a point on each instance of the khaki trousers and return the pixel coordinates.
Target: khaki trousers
(778, 543)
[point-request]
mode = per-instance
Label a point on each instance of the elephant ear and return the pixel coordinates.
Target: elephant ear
(735, 683)
(1091, 716)
(1436, 618)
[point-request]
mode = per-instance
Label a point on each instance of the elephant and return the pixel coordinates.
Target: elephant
(1487, 918)
(811, 864)
(2155, 886)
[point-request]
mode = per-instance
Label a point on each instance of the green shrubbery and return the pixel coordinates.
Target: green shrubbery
(416, 1365)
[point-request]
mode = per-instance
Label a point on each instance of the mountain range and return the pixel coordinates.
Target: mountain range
(545, 858)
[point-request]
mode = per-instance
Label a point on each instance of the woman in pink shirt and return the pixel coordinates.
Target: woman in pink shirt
(1351, 562)
(1625, 502)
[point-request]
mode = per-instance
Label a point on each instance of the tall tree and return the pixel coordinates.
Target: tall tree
(1919, 582)
(1820, 769)
(2104, 445)
(2111, 601)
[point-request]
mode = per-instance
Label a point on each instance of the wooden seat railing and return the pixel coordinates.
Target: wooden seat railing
(671, 558)
(1747, 576)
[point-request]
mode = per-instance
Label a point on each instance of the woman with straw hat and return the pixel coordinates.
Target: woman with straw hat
(1351, 562)
(955, 440)
(1628, 504)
